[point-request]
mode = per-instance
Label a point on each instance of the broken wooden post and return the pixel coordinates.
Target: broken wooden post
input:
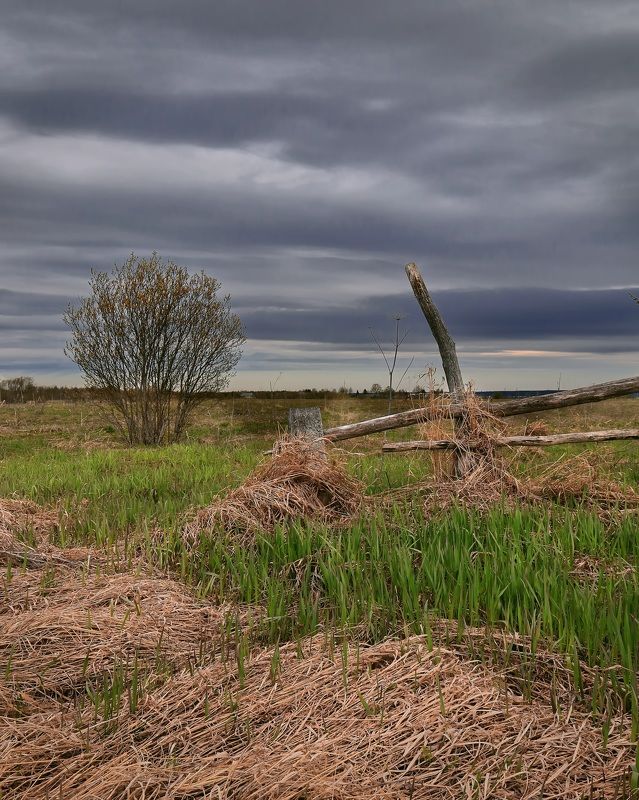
(306, 423)
(465, 460)
(444, 340)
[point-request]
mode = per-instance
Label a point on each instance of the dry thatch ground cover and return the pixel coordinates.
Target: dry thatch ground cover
(296, 482)
(320, 718)
(117, 681)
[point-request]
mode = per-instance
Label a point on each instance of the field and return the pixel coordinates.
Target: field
(411, 652)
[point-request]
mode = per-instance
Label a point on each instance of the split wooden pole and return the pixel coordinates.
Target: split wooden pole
(503, 408)
(518, 441)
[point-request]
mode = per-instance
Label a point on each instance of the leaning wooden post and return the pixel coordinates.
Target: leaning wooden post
(464, 462)
(306, 423)
(444, 340)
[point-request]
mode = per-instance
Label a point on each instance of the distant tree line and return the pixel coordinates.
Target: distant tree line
(23, 389)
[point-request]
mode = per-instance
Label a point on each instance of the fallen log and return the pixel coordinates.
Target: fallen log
(519, 441)
(504, 408)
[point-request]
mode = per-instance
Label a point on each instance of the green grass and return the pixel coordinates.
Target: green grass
(388, 573)
(133, 488)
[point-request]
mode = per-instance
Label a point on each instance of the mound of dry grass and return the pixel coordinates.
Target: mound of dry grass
(297, 482)
(28, 518)
(24, 515)
(25, 535)
(394, 720)
(69, 630)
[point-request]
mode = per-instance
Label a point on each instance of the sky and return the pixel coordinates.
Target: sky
(304, 152)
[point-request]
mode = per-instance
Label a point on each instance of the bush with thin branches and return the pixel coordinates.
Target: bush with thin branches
(152, 340)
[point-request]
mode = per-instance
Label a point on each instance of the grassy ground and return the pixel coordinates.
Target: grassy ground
(63, 452)
(565, 579)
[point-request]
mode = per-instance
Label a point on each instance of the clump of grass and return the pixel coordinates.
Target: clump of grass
(297, 482)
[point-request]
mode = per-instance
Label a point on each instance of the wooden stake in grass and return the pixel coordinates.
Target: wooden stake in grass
(306, 423)
(465, 461)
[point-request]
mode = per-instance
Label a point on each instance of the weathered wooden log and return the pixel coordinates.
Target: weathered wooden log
(504, 408)
(578, 437)
(444, 340)
(306, 423)
(465, 462)
(569, 397)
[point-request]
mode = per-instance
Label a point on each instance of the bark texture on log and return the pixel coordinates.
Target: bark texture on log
(505, 408)
(444, 340)
(569, 397)
(306, 423)
(465, 461)
(520, 441)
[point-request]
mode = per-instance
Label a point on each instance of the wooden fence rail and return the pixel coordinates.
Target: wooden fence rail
(505, 408)
(518, 441)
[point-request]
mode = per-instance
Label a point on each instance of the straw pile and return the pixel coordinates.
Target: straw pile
(297, 482)
(25, 517)
(394, 720)
(61, 632)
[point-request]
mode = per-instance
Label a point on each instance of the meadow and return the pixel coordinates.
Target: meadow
(545, 595)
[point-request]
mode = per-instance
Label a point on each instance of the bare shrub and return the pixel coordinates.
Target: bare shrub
(152, 340)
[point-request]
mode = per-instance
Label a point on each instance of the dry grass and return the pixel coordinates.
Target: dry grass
(588, 568)
(322, 718)
(536, 427)
(26, 517)
(25, 535)
(393, 720)
(488, 477)
(61, 631)
(296, 482)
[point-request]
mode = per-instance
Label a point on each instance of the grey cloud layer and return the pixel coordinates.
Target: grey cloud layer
(302, 152)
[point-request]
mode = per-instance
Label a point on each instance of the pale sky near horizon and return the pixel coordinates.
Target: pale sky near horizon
(303, 152)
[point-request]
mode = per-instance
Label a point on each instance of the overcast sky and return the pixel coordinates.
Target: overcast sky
(302, 152)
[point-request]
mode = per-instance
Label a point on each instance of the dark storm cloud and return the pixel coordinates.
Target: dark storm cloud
(30, 304)
(602, 64)
(303, 152)
(599, 319)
